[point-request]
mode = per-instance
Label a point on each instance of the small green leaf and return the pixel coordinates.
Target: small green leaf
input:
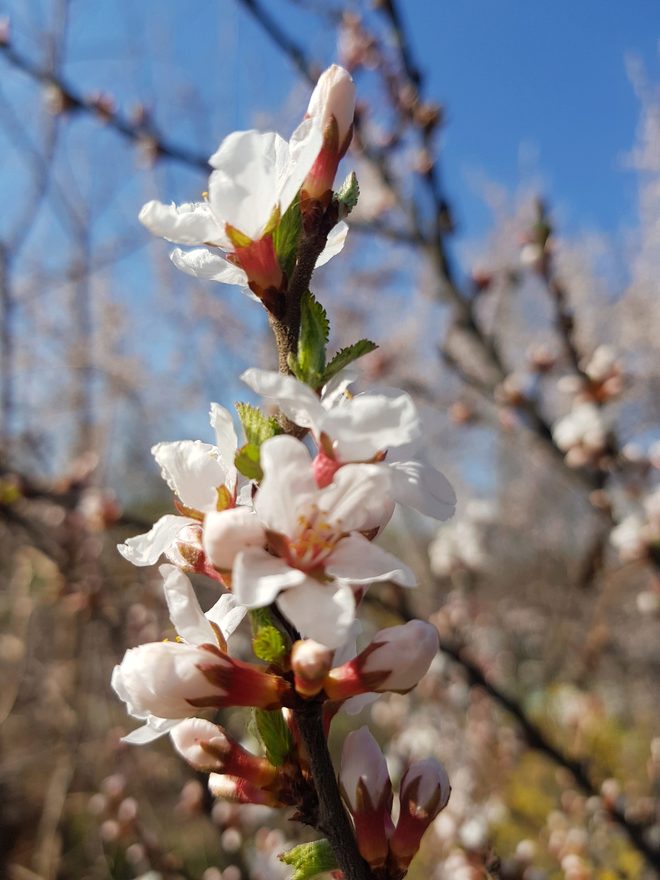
(314, 334)
(256, 425)
(247, 461)
(347, 195)
(268, 643)
(346, 356)
(287, 235)
(274, 734)
(310, 859)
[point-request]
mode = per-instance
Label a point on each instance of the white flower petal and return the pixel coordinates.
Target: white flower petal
(245, 187)
(201, 263)
(418, 485)
(225, 440)
(288, 485)
(192, 471)
(191, 223)
(357, 560)
(358, 498)
(369, 423)
(185, 612)
(258, 577)
(303, 148)
(336, 388)
(227, 613)
(334, 244)
(150, 731)
(296, 400)
(323, 612)
(148, 548)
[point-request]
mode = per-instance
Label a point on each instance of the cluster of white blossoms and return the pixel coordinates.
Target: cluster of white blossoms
(284, 521)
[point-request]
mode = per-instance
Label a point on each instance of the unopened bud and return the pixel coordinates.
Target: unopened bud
(332, 105)
(424, 792)
(396, 660)
(310, 662)
(366, 786)
(240, 791)
(207, 747)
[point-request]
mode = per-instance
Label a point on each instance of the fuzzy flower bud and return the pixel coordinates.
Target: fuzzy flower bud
(227, 532)
(168, 679)
(332, 105)
(367, 790)
(233, 788)
(424, 792)
(207, 747)
(311, 662)
(395, 661)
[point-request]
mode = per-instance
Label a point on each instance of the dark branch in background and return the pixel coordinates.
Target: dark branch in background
(73, 101)
(534, 736)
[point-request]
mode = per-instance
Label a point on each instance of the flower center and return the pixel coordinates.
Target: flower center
(314, 542)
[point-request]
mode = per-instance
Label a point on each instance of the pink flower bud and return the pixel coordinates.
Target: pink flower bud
(395, 660)
(207, 747)
(367, 789)
(424, 792)
(167, 679)
(227, 532)
(311, 662)
(333, 105)
(233, 788)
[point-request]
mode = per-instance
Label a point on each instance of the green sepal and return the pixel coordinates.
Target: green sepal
(256, 426)
(310, 859)
(286, 236)
(313, 338)
(346, 356)
(247, 461)
(347, 195)
(268, 643)
(274, 734)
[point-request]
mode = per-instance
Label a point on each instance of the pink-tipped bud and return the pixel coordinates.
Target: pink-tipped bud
(208, 747)
(332, 105)
(367, 789)
(424, 792)
(227, 532)
(168, 679)
(233, 788)
(311, 662)
(395, 660)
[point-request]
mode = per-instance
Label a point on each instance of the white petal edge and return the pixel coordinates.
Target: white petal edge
(258, 578)
(334, 244)
(185, 611)
(148, 548)
(323, 612)
(419, 485)
(360, 562)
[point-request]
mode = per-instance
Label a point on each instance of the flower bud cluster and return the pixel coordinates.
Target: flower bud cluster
(423, 793)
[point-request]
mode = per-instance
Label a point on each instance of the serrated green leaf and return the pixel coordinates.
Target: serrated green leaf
(310, 859)
(313, 338)
(274, 734)
(293, 366)
(256, 425)
(346, 356)
(287, 235)
(247, 461)
(347, 195)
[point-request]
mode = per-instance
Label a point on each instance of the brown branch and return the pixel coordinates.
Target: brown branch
(73, 102)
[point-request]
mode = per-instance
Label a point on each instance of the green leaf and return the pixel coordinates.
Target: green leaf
(247, 460)
(287, 235)
(346, 356)
(310, 859)
(314, 334)
(268, 643)
(256, 425)
(274, 734)
(347, 195)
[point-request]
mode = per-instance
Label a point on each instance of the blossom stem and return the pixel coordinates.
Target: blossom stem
(333, 820)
